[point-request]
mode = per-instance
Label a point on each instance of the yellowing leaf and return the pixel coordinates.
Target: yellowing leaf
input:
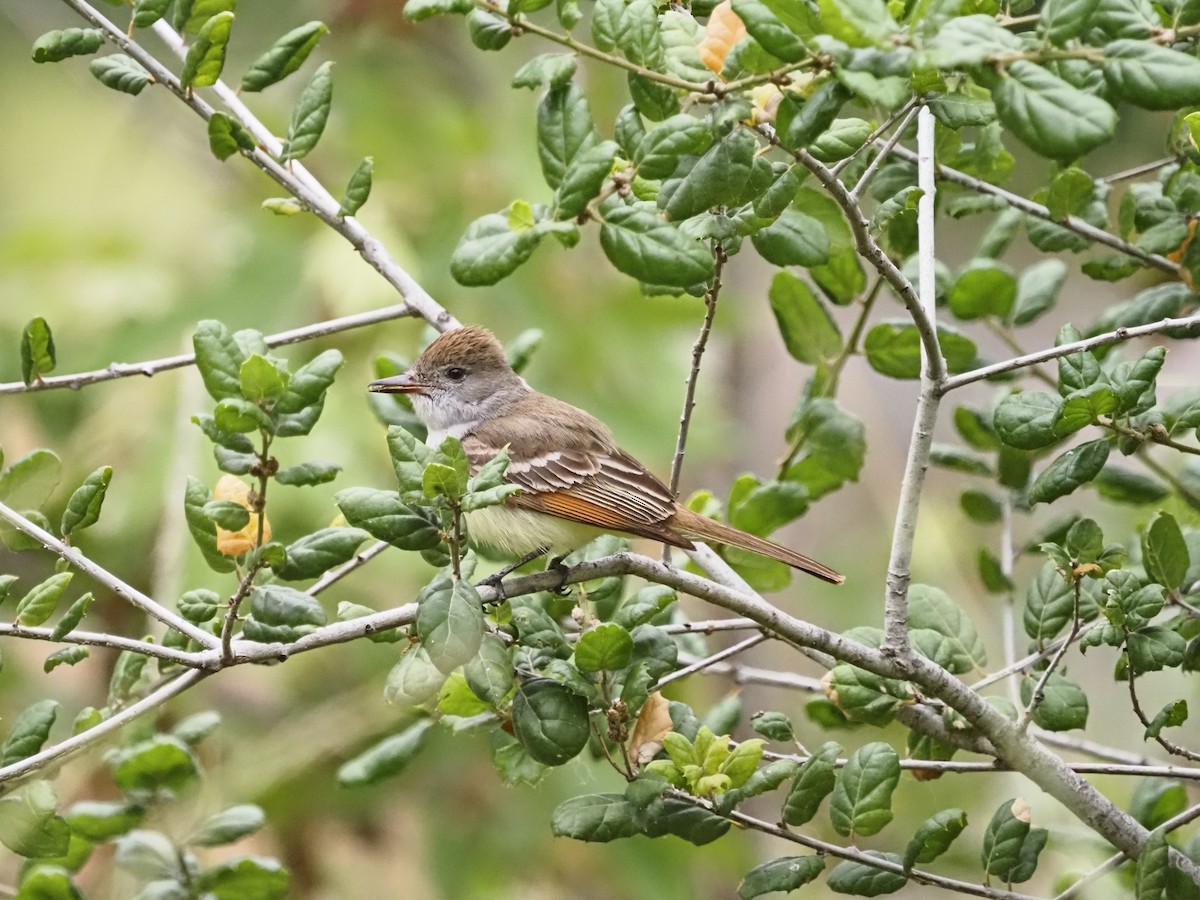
(235, 543)
(724, 29)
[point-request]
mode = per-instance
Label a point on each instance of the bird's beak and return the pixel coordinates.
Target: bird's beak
(398, 384)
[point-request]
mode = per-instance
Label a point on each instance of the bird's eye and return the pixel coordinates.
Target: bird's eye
(456, 373)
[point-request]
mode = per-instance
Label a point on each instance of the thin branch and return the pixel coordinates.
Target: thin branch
(1166, 743)
(1039, 690)
(701, 664)
(835, 850)
(1100, 340)
(333, 576)
(152, 367)
(294, 177)
(870, 250)
(884, 152)
(1138, 171)
(98, 639)
(905, 112)
(689, 396)
(1072, 223)
(102, 576)
(85, 739)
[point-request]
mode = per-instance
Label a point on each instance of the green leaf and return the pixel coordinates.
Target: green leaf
(490, 675)
(637, 35)
(413, 680)
(29, 732)
(359, 188)
(149, 854)
(1078, 370)
(719, 177)
(550, 721)
(286, 56)
(861, 804)
(595, 817)
(409, 458)
(794, 239)
(1062, 20)
(553, 69)
(865, 880)
(814, 781)
(1157, 800)
(1029, 102)
(816, 115)
(1010, 845)
(772, 31)
(162, 761)
(72, 617)
(39, 604)
(246, 877)
(1064, 705)
(958, 111)
(1025, 420)
(949, 637)
(384, 516)
(206, 55)
(808, 330)
(1125, 486)
(280, 614)
(191, 15)
(227, 136)
(283, 206)
(985, 288)
(29, 827)
(308, 474)
(1048, 604)
(1153, 869)
(1037, 290)
(491, 249)
(1154, 648)
(841, 139)
(1152, 76)
(584, 179)
(859, 23)
(1085, 407)
(418, 10)
(147, 12)
(310, 115)
(658, 153)
(642, 245)
(450, 622)
(103, 820)
(565, 129)
(121, 73)
(934, 836)
(199, 606)
(37, 351)
(1164, 551)
(300, 405)
(219, 359)
(1076, 467)
(318, 552)
(54, 46)
(387, 758)
(126, 675)
(894, 349)
(607, 647)
(787, 873)
(228, 825)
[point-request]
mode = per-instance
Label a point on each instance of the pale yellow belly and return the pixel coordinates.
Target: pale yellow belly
(515, 532)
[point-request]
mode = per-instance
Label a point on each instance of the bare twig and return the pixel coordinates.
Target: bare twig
(85, 739)
(884, 152)
(154, 366)
(701, 664)
(1039, 689)
(689, 396)
(1072, 223)
(98, 639)
(1100, 340)
(102, 576)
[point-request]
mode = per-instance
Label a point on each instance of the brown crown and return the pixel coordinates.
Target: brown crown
(472, 343)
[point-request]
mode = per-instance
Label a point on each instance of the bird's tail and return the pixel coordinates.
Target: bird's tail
(693, 525)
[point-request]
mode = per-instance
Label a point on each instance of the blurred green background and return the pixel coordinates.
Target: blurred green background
(120, 228)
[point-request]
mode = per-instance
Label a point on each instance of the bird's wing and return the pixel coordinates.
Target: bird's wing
(589, 481)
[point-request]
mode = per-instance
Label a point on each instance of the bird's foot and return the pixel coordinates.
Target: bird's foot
(496, 579)
(562, 571)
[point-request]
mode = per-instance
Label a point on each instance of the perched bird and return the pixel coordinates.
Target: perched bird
(576, 483)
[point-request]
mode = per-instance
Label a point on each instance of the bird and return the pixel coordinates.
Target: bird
(575, 482)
